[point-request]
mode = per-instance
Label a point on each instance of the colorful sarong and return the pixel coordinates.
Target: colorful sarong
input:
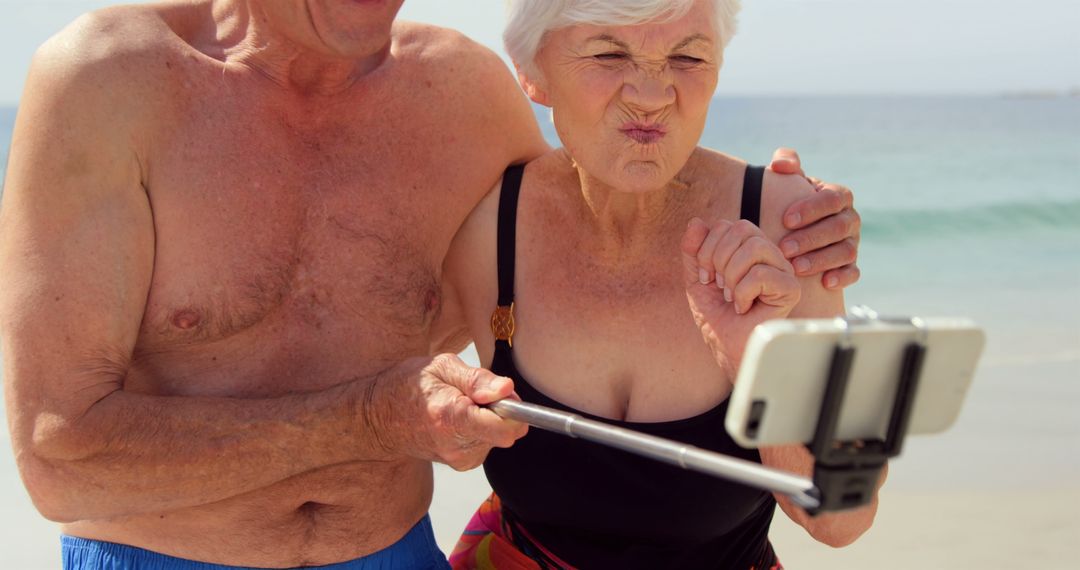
(490, 543)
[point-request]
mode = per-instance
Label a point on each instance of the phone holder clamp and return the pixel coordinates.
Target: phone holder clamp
(846, 473)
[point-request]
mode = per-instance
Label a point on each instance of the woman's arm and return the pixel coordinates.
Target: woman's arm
(824, 228)
(834, 529)
(736, 277)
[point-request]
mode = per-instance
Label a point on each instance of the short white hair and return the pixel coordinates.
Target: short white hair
(530, 20)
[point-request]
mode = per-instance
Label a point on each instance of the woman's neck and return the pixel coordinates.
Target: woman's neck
(630, 223)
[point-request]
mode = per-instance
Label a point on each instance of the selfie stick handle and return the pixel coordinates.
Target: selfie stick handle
(800, 489)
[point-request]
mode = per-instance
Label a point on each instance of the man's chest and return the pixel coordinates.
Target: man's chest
(325, 231)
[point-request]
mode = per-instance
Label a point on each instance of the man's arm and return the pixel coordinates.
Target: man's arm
(76, 258)
(817, 301)
(511, 125)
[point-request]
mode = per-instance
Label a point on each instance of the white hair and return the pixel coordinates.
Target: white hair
(530, 20)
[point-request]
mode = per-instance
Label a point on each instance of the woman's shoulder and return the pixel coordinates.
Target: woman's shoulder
(709, 163)
(538, 173)
(725, 173)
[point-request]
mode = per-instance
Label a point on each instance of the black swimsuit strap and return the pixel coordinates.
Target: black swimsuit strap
(507, 236)
(751, 194)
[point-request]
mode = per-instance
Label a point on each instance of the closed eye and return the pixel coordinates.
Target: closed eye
(687, 59)
(610, 56)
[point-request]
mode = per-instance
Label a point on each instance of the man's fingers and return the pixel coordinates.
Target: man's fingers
(832, 230)
(840, 278)
(835, 256)
(786, 161)
(830, 200)
(488, 427)
(481, 386)
(470, 431)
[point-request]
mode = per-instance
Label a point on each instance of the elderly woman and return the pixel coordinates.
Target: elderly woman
(575, 275)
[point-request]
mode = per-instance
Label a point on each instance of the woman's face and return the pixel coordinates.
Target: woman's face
(629, 102)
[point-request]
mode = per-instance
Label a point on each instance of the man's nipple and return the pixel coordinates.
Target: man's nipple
(185, 319)
(431, 301)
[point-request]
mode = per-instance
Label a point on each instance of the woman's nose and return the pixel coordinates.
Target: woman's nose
(650, 92)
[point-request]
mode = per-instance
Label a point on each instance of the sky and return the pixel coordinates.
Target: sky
(784, 47)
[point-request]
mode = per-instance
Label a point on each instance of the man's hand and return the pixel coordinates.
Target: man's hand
(431, 408)
(824, 228)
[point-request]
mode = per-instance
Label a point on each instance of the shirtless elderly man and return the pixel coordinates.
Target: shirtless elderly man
(220, 243)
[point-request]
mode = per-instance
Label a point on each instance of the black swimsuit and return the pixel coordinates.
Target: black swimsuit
(598, 507)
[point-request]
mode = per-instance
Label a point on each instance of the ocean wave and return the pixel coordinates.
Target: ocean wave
(1015, 217)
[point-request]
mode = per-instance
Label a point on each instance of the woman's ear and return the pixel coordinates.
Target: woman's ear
(535, 89)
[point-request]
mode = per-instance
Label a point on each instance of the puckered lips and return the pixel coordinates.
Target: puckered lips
(644, 133)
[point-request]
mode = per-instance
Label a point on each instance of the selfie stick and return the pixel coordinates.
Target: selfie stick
(846, 473)
(800, 489)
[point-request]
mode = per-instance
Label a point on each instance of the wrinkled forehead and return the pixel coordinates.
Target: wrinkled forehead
(696, 30)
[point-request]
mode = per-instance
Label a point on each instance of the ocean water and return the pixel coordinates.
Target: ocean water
(970, 207)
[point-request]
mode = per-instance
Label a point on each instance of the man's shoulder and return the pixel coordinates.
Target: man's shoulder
(105, 46)
(433, 43)
(448, 54)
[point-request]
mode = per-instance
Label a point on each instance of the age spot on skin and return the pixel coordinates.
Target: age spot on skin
(185, 319)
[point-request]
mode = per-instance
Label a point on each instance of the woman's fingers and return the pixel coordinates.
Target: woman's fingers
(756, 250)
(707, 267)
(736, 239)
(692, 240)
(739, 260)
(770, 285)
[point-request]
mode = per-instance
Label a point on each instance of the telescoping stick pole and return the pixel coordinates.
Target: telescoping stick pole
(800, 489)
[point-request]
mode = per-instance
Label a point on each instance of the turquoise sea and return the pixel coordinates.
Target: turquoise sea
(970, 207)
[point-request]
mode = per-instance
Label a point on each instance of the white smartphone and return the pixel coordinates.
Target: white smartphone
(779, 388)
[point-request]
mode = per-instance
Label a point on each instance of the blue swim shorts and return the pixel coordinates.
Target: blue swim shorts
(416, 549)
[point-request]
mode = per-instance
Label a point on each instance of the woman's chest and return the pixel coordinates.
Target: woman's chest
(625, 348)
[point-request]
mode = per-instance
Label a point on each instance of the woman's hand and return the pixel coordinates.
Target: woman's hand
(735, 279)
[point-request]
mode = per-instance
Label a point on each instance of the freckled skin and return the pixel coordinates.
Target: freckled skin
(239, 248)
